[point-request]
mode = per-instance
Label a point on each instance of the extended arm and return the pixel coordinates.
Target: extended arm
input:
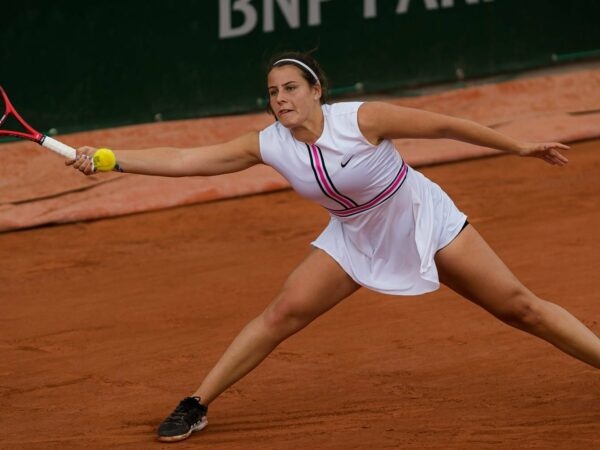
(379, 121)
(232, 156)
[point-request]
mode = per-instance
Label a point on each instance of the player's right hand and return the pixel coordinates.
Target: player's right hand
(83, 161)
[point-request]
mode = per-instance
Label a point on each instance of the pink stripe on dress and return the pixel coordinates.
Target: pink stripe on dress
(325, 181)
(380, 198)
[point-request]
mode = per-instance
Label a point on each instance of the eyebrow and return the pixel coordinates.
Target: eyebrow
(284, 84)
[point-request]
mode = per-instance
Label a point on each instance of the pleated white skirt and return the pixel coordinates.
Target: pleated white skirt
(391, 248)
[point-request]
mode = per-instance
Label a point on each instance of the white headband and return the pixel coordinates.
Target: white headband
(300, 63)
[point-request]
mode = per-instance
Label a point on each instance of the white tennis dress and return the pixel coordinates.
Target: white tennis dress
(387, 220)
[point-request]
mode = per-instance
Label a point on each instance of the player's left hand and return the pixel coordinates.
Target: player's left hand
(548, 151)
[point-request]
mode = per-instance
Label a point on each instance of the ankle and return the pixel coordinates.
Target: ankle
(200, 398)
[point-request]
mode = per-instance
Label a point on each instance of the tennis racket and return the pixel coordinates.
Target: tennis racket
(30, 133)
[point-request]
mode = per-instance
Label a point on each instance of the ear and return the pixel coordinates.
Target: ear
(317, 91)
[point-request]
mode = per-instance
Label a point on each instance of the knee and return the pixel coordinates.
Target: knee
(524, 310)
(284, 316)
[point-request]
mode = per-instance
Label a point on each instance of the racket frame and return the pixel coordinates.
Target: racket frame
(32, 134)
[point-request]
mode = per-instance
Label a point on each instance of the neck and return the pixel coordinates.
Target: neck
(311, 129)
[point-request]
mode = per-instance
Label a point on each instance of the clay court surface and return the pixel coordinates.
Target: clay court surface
(106, 325)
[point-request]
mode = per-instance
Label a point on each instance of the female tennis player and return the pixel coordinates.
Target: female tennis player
(391, 229)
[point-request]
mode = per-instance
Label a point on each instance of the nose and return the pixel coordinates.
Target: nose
(280, 98)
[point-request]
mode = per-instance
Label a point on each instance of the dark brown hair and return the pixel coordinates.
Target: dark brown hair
(307, 59)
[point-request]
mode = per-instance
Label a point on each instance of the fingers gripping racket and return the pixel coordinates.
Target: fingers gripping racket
(31, 134)
(103, 160)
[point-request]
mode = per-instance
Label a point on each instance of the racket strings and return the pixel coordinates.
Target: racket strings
(12, 124)
(3, 107)
(8, 123)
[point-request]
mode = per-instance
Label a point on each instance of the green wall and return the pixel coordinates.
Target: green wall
(85, 64)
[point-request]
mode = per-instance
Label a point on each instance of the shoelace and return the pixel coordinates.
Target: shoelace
(180, 412)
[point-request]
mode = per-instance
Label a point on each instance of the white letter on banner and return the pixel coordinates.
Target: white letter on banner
(403, 5)
(314, 12)
(369, 9)
(225, 9)
(290, 10)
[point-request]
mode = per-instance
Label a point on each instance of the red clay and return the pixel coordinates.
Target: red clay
(106, 325)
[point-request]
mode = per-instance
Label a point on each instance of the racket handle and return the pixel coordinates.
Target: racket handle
(59, 147)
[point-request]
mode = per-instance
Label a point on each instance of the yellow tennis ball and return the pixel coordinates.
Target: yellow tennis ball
(104, 160)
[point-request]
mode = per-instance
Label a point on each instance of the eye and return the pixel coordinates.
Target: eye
(272, 93)
(290, 87)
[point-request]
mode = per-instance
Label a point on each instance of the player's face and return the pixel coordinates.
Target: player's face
(292, 99)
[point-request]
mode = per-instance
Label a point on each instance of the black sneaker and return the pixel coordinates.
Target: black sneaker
(189, 416)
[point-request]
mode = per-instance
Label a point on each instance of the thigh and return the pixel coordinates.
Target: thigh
(315, 286)
(470, 267)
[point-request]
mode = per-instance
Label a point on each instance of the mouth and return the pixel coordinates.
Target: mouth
(283, 112)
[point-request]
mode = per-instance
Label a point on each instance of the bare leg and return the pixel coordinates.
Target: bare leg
(472, 269)
(316, 286)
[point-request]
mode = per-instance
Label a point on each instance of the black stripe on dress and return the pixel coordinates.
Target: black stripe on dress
(331, 182)
(314, 169)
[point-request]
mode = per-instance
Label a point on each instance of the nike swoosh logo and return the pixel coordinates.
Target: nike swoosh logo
(345, 163)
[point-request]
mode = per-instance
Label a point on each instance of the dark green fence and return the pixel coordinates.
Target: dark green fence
(84, 64)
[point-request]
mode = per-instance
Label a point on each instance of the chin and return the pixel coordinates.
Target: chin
(287, 122)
